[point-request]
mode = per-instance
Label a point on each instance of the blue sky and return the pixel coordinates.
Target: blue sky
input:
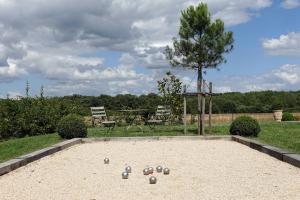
(112, 47)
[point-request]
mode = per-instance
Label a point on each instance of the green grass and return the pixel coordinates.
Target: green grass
(133, 131)
(285, 135)
(19, 146)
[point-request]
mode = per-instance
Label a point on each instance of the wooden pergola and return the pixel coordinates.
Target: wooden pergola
(204, 94)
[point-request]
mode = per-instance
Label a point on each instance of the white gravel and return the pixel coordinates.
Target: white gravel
(202, 169)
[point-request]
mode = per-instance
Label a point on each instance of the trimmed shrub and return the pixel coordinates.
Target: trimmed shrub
(286, 116)
(72, 126)
(245, 126)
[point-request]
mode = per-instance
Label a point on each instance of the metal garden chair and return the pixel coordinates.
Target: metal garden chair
(162, 115)
(100, 113)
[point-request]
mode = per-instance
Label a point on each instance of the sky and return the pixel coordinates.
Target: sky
(95, 47)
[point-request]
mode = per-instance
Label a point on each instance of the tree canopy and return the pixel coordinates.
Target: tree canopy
(202, 42)
(170, 88)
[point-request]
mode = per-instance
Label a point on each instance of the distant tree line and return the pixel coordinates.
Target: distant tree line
(256, 102)
(40, 115)
(234, 102)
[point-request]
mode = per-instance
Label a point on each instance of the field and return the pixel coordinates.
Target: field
(285, 135)
(200, 169)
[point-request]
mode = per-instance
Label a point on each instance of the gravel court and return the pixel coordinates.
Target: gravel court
(202, 169)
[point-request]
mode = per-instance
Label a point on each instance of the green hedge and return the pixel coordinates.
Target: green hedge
(72, 126)
(245, 126)
(286, 116)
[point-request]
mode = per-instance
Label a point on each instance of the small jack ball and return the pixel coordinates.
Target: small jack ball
(146, 171)
(106, 160)
(166, 171)
(152, 180)
(128, 169)
(125, 175)
(159, 169)
(150, 170)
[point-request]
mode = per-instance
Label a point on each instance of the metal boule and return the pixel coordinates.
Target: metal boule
(128, 169)
(152, 180)
(146, 171)
(166, 171)
(151, 170)
(159, 169)
(125, 175)
(106, 160)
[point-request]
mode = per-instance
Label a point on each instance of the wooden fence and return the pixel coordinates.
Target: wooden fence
(223, 118)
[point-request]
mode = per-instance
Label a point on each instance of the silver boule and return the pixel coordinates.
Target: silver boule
(125, 175)
(106, 160)
(146, 171)
(128, 169)
(166, 171)
(150, 170)
(159, 169)
(152, 180)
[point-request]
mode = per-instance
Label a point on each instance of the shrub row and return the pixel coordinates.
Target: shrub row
(32, 116)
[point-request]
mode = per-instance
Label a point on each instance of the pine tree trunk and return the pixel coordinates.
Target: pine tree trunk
(199, 90)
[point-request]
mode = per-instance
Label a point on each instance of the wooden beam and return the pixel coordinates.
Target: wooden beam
(184, 110)
(195, 94)
(199, 97)
(210, 106)
(203, 109)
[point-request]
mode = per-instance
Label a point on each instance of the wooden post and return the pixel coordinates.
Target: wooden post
(184, 108)
(210, 105)
(203, 108)
(199, 90)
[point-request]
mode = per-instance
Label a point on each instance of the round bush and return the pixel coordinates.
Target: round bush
(286, 116)
(245, 126)
(72, 126)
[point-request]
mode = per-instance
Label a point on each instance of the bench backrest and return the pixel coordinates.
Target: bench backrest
(98, 112)
(163, 111)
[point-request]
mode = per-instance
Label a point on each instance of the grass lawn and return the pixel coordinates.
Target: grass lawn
(16, 147)
(285, 135)
(136, 131)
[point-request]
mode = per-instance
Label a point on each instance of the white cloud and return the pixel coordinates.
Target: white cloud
(237, 12)
(285, 77)
(289, 74)
(111, 86)
(11, 94)
(47, 38)
(222, 89)
(290, 4)
(10, 72)
(284, 45)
